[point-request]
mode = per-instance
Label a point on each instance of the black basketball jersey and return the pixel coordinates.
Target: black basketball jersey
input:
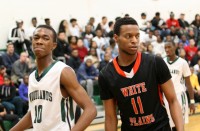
(138, 93)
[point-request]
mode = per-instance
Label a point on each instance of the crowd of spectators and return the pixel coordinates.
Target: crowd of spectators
(87, 50)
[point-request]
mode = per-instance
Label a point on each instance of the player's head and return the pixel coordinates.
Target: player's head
(126, 34)
(170, 48)
(44, 41)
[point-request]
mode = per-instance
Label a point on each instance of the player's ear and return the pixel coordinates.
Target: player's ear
(116, 37)
(54, 45)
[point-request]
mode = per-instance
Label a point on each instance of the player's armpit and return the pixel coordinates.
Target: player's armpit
(24, 123)
(174, 106)
(77, 92)
(110, 115)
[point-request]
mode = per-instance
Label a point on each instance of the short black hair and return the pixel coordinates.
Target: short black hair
(157, 14)
(34, 18)
(46, 19)
(171, 42)
(110, 23)
(72, 20)
(123, 21)
(117, 18)
(51, 29)
(103, 17)
(143, 14)
(126, 15)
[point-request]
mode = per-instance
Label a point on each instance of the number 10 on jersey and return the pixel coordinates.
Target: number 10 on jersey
(38, 114)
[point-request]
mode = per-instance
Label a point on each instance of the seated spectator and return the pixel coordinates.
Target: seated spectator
(95, 59)
(20, 68)
(143, 23)
(73, 42)
(64, 27)
(114, 48)
(82, 50)
(1, 60)
(184, 40)
(10, 101)
(2, 74)
(23, 93)
(150, 37)
(47, 21)
(74, 60)
(172, 22)
(107, 59)
(88, 75)
(9, 57)
(4, 116)
(195, 58)
(195, 84)
(190, 50)
(158, 46)
(62, 49)
(196, 68)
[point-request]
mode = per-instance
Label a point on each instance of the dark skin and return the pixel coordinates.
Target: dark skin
(128, 42)
(43, 45)
(170, 51)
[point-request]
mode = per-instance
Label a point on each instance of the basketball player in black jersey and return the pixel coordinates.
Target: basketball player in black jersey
(135, 82)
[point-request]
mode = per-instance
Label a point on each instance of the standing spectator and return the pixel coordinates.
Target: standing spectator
(10, 101)
(82, 50)
(91, 22)
(103, 25)
(19, 39)
(30, 31)
(47, 21)
(75, 29)
(190, 50)
(64, 27)
(74, 60)
(88, 75)
(23, 93)
(9, 57)
(20, 68)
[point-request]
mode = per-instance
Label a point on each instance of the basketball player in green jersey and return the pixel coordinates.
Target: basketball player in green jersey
(50, 87)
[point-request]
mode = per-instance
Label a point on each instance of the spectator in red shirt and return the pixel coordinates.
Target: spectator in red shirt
(190, 50)
(172, 22)
(82, 50)
(2, 74)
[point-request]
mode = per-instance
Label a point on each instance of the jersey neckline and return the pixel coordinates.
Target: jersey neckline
(46, 70)
(134, 69)
(171, 62)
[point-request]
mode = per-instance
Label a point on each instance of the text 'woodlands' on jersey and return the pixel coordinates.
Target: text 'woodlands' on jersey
(137, 93)
(50, 111)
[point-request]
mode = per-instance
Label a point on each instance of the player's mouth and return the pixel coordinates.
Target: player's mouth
(38, 49)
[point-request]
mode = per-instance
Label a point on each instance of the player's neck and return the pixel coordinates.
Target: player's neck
(43, 63)
(172, 58)
(125, 60)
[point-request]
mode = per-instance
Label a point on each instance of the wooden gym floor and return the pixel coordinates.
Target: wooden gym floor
(193, 125)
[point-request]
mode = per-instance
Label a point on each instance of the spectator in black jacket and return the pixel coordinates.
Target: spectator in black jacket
(74, 61)
(107, 58)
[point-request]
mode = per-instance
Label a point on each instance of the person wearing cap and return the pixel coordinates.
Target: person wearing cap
(88, 75)
(172, 21)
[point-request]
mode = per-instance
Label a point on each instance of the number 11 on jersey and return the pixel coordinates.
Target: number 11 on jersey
(135, 106)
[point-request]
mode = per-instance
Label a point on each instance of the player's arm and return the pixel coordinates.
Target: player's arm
(77, 92)
(174, 106)
(24, 123)
(191, 93)
(110, 115)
